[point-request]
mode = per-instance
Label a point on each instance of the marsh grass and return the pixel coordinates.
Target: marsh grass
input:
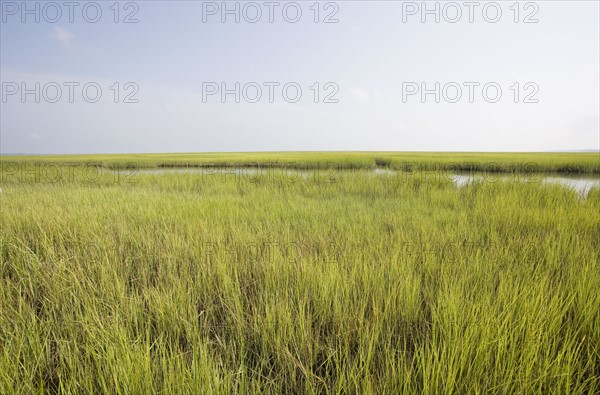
(182, 284)
(574, 163)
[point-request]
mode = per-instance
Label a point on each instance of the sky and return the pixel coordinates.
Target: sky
(186, 76)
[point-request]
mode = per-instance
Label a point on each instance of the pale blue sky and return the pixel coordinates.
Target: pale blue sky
(368, 54)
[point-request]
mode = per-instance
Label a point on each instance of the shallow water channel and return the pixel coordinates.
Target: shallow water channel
(582, 184)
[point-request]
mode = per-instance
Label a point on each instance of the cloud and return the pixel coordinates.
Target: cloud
(35, 137)
(360, 94)
(63, 36)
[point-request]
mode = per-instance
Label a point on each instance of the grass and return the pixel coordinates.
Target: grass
(492, 162)
(188, 283)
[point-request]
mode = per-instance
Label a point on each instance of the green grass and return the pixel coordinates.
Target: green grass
(506, 162)
(184, 283)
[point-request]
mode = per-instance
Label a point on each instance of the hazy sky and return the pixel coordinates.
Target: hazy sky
(366, 69)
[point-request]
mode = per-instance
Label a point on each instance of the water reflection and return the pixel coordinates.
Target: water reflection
(580, 184)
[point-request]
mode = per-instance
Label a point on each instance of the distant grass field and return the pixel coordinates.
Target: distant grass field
(335, 283)
(499, 162)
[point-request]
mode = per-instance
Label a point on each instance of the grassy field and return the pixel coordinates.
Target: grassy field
(330, 282)
(437, 161)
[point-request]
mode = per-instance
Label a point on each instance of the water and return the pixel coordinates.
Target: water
(580, 184)
(384, 171)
